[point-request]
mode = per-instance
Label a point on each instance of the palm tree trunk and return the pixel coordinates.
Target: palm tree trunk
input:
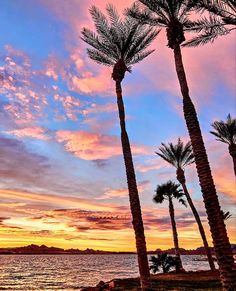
(200, 227)
(133, 197)
(217, 226)
(232, 152)
(179, 266)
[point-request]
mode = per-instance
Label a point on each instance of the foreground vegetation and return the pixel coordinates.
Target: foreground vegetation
(199, 281)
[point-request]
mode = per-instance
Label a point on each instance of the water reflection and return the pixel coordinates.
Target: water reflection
(70, 272)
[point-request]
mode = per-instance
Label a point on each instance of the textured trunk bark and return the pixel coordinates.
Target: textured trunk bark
(198, 220)
(179, 267)
(216, 222)
(133, 197)
(232, 152)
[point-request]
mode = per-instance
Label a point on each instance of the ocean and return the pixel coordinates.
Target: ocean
(72, 272)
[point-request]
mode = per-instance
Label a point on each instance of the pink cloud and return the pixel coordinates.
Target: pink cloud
(92, 146)
(100, 108)
(152, 164)
(19, 86)
(92, 83)
(71, 105)
(36, 132)
(123, 192)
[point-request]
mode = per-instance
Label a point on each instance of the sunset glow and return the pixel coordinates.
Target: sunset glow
(62, 175)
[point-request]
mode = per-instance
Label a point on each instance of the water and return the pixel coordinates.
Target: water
(71, 272)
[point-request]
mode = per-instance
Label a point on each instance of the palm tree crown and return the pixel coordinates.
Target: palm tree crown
(117, 39)
(172, 14)
(178, 155)
(169, 190)
(225, 131)
(221, 20)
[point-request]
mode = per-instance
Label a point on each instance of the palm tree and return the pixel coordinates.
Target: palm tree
(162, 260)
(168, 191)
(180, 156)
(222, 20)
(173, 15)
(121, 44)
(226, 133)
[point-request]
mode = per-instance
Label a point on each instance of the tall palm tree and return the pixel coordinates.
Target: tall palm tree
(180, 156)
(225, 131)
(120, 44)
(222, 20)
(173, 15)
(169, 191)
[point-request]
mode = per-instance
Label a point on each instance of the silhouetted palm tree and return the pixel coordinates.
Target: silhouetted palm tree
(164, 261)
(221, 20)
(173, 15)
(120, 44)
(225, 131)
(180, 156)
(169, 191)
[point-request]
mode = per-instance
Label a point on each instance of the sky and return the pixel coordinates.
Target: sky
(62, 176)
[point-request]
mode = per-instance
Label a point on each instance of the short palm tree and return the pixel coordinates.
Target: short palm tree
(169, 191)
(120, 44)
(222, 20)
(180, 156)
(164, 261)
(173, 15)
(225, 131)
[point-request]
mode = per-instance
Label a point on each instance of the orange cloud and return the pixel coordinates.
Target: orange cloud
(152, 164)
(123, 192)
(90, 82)
(52, 200)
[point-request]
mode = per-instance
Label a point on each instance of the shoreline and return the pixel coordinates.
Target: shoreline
(191, 280)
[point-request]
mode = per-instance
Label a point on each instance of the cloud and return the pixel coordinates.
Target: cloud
(21, 85)
(152, 164)
(123, 192)
(20, 165)
(36, 132)
(71, 105)
(91, 83)
(92, 146)
(100, 108)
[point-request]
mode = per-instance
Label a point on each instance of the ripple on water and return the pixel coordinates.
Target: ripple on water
(72, 272)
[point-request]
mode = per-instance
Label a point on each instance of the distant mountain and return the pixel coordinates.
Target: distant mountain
(35, 249)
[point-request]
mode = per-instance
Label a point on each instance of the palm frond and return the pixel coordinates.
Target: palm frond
(104, 47)
(223, 8)
(140, 44)
(225, 131)
(165, 13)
(152, 15)
(178, 155)
(117, 39)
(139, 57)
(99, 57)
(168, 190)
